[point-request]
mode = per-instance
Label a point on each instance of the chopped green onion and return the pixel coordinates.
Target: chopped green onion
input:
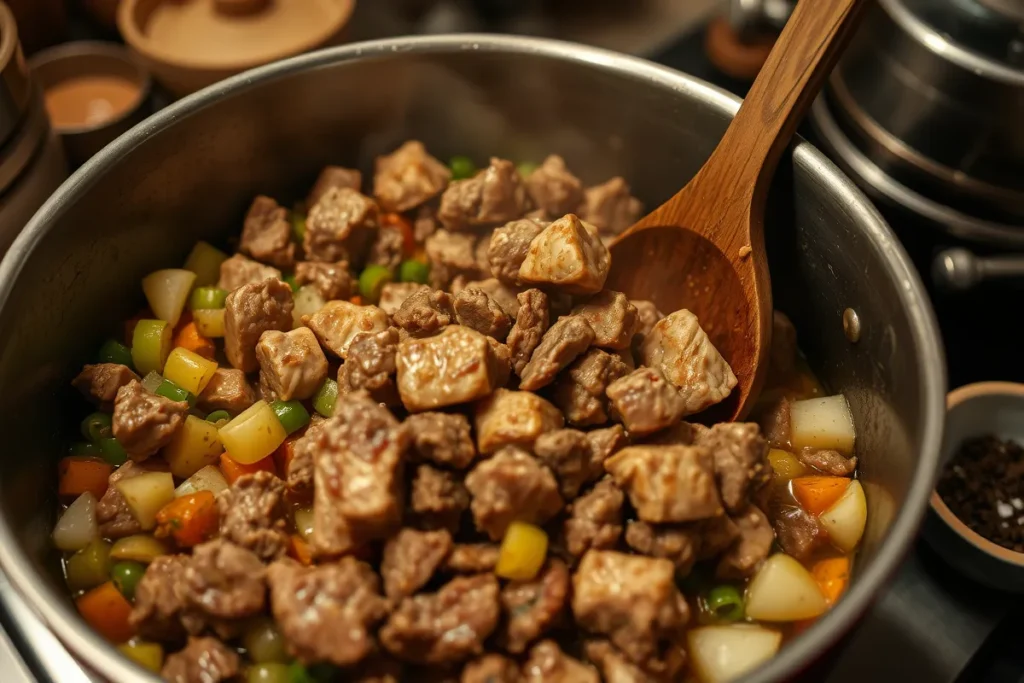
(325, 397)
(291, 282)
(725, 603)
(292, 415)
(169, 389)
(218, 415)
(89, 567)
(126, 576)
(462, 168)
(97, 426)
(207, 298)
(205, 262)
(112, 451)
(414, 271)
(298, 222)
(80, 448)
(372, 281)
(525, 168)
(114, 351)
(151, 344)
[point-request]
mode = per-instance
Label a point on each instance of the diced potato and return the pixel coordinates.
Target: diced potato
(253, 435)
(189, 370)
(209, 323)
(783, 590)
(145, 654)
(307, 302)
(139, 548)
(209, 478)
(523, 551)
(845, 520)
(304, 523)
(823, 423)
(194, 446)
(785, 464)
(77, 527)
(146, 494)
(167, 292)
(724, 653)
(204, 260)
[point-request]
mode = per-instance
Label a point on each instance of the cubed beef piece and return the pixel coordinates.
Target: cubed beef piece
(509, 246)
(512, 486)
(569, 454)
(782, 355)
(448, 626)
(143, 423)
(799, 533)
(410, 559)
(605, 442)
(267, 234)
(160, 599)
(358, 457)
(408, 177)
(610, 206)
(456, 366)
(472, 558)
(377, 668)
(751, 548)
(480, 251)
(530, 325)
(613, 317)
(451, 254)
(827, 461)
(678, 543)
(371, 366)
(291, 363)
(331, 177)
(533, 607)
(99, 383)
(490, 669)
(326, 613)
(580, 391)
(441, 438)
(504, 295)
(252, 514)
(509, 418)
(615, 667)
(239, 270)
(548, 664)
(331, 280)
(776, 425)
(299, 474)
(250, 311)
(647, 314)
(394, 294)
(595, 519)
(425, 313)
(567, 255)
(227, 390)
(115, 518)
(338, 322)
(340, 227)
(494, 195)
(225, 581)
(477, 311)
(632, 600)
(387, 247)
(667, 483)
(424, 224)
(203, 660)
(682, 351)
(645, 402)
(717, 535)
(564, 341)
(553, 188)
(741, 460)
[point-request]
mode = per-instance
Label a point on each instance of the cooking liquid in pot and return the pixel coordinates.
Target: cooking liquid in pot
(89, 100)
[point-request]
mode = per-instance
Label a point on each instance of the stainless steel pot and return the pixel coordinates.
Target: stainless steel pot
(190, 171)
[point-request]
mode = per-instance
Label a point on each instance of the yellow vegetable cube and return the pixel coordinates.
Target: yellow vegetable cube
(146, 494)
(523, 551)
(253, 435)
(785, 464)
(189, 370)
(210, 323)
(195, 445)
(140, 548)
(151, 343)
(204, 261)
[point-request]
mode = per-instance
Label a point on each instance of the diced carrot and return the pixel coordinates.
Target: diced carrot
(300, 550)
(356, 299)
(817, 494)
(189, 520)
(832, 575)
(233, 470)
(129, 325)
(106, 610)
(188, 337)
(397, 220)
(285, 452)
(79, 474)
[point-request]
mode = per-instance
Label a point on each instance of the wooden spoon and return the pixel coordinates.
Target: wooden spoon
(703, 249)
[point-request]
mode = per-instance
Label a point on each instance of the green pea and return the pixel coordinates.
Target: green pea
(126, 576)
(372, 281)
(325, 398)
(273, 672)
(112, 451)
(264, 642)
(525, 168)
(291, 282)
(80, 448)
(725, 603)
(414, 271)
(298, 222)
(462, 168)
(97, 426)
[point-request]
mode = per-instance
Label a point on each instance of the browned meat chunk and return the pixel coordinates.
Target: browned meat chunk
(144, 423)
(717, 535)
(115, 518)
(227, 390)
(508, 418)
(553, 188)
(775, 422)
(410, 560)
(238, 270)
(570, 456)
(425, 224)
(494, 195)
(490, 669)
(531, 323)
(408, 177)
(477, 311)
(299, 477)
(203, 660)
(441, 438)
(741, 460)
(569, 337)
(387, 248)
(224, 581)
(610, 206)
(595, 519)
(334, 176)
(377, 669)
(613, 317)
(799, 533)
(340, 227)
(394, 294)
(331, 280)
(828, 461)
(291, 363)
(667, 483)
(160, 599)
(648, 316)
(99, 383)
(548, 664)
(580, 392)
(502, 294)
(605, 442)
(632, 600)
(644, 402)
(456, 366)
(782, 356)
(252, 514)
(533, 607)
(616, 667)
(448, 626)
(327, 613)
(472, 558)
(512, 486)
(425, 313)
(371, 366)
(508, 248)
(678, 543)
(451, 255)
(567, 255)
(338, 323)
(250, 311)
(752, 547)
(267, 235)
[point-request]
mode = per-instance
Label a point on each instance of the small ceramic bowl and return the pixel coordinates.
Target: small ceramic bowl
(974, 410)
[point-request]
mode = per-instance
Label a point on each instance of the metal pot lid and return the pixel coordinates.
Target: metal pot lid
(15, 88)
(992, 29)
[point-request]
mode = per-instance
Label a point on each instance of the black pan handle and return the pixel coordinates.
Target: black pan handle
(959, 269)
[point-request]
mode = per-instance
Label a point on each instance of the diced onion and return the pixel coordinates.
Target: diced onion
(208, 478)
(253, 435)
(209, 323)
(724, 653)
(823, 423)
(152, 381)
(167, 292)
(783, 590)
(77, 527)
(146, 494)
(845, 520)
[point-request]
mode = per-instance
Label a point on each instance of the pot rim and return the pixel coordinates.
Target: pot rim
(58, 613)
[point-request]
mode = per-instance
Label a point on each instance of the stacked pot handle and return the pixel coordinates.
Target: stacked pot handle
(961, 269)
